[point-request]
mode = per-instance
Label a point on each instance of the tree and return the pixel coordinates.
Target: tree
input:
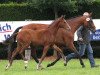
(7, 1)
(55, 5)
(84, 5)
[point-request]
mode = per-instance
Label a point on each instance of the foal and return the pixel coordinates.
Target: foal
(44, 37)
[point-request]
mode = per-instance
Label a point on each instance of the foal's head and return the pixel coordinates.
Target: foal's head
(60, 23)
(88, 21)
(63, 23)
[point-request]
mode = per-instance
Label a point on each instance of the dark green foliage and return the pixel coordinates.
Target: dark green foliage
(17, 12)
(42, 11)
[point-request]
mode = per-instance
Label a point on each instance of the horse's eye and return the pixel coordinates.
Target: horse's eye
(64, 21)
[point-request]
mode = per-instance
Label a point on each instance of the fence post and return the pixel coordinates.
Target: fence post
(28, 54)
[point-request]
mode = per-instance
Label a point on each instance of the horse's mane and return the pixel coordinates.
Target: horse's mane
(69, 19)
(55, 21)
(74, 18)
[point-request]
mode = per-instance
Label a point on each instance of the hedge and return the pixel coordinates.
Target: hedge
(17, 12)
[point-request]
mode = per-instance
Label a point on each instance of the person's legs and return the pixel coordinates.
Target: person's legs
(82, 48)
(90, 55)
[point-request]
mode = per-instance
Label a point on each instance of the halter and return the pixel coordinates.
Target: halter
(88, 19)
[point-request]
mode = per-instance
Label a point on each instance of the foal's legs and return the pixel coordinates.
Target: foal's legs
(45, 51)
(33, 54)
(55, 61)
(9, 51)
(19, 50)
(58, 57)
(15, 52)
(71, 47)
(60, 52)
(43, 56)
(21, 53)
(11, 47)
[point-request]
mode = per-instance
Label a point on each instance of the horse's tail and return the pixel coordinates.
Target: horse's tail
(10, 41)
(12, 38)
(17, 30)
(10, 45)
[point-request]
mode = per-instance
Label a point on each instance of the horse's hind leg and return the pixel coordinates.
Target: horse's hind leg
(33, 54)
(55, 61)
(60, 51)
(15, 52)
(11, 47)
(72, 47)
(23, 57)
(9, 52)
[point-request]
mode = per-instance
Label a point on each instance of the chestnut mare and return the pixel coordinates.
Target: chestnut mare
(75, 23)
(44, 37)
(65, 37)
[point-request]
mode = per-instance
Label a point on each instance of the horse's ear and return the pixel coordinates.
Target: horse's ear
(62, 16)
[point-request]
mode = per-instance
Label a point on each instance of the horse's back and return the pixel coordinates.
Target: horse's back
(29, 35)
(34, 26)
(25, 35)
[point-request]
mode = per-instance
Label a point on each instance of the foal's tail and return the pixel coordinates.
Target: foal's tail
(17, 30)
(12, 38)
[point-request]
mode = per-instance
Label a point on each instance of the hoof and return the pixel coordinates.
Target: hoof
(7, 66)
(83, 66)
(6, 69)
(48, 65)
(65, 64)
(25, 67)
(39, 67)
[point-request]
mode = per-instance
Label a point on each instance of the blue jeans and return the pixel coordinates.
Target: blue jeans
(82, 48)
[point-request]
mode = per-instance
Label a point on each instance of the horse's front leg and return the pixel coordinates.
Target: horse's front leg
(72, 47)
(60, 51)
(43, 56)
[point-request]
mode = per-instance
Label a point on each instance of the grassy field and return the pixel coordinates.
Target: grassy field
(73, 68)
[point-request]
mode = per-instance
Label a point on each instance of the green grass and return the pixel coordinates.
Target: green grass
(73, 68)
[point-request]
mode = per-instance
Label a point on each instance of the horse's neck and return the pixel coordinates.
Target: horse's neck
(53, 29)
(75, 24)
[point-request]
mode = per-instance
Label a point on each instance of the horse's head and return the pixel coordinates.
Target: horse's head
(88, 22)
(63, 23)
